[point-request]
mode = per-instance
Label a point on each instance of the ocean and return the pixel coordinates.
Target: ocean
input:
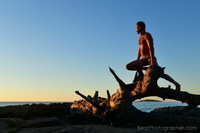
(143, 106)
(149, 106)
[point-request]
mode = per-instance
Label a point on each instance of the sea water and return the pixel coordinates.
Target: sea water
(143, 106)
(149, 106)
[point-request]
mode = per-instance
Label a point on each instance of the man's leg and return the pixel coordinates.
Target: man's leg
(170, 79)
(136, 65)
(138, 76)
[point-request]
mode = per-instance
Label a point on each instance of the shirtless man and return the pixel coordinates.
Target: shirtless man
(146, 54)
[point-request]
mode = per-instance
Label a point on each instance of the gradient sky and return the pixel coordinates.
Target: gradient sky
(50, 48)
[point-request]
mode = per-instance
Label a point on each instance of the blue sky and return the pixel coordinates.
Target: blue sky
(50, 48)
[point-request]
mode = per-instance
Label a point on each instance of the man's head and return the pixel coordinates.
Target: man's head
(140, 26)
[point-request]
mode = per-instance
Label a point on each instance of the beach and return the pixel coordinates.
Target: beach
(51, 118)
(56, 118)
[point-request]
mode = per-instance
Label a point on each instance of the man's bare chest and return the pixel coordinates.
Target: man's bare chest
(142, 41)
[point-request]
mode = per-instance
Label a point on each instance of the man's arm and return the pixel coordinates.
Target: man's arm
(139, 55)
(149, 41)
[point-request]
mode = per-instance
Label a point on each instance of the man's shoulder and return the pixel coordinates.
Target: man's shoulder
(148, 35)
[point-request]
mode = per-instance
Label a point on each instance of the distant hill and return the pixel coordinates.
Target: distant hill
(149, 100)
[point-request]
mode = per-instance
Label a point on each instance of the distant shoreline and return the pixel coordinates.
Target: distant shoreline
(149, 100)
(17, 103)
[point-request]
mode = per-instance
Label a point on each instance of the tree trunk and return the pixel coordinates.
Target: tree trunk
(118, 108)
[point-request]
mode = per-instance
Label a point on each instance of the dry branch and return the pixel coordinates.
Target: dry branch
(118, 107)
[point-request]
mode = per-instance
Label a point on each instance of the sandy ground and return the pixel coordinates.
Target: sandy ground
(84, 129)
(55, 118)
(60, 125)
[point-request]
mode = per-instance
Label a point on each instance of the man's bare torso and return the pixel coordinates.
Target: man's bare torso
(143, 46)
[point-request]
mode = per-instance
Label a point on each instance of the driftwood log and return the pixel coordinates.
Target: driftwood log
(118, 109)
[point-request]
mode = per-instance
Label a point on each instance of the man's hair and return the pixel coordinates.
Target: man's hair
(141, 24)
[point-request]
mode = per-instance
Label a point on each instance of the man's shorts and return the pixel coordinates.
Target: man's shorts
(145, 61)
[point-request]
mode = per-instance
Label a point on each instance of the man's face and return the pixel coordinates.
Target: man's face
(138, 29)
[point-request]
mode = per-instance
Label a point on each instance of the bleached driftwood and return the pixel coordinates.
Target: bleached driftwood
(118, 108)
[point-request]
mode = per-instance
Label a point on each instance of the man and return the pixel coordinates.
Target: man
(146, 54)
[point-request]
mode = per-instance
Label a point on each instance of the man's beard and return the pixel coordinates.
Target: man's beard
(138, 31)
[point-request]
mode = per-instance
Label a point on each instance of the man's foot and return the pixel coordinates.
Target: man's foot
(178, 87)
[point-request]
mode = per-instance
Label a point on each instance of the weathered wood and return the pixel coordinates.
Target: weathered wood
(149, 87)
(118, 108)
(91, 100)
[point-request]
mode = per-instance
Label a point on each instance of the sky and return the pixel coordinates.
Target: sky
(51, 48)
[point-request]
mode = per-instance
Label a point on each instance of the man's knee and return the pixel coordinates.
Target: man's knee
(135, 65)
(128, 67)
(131, 67)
